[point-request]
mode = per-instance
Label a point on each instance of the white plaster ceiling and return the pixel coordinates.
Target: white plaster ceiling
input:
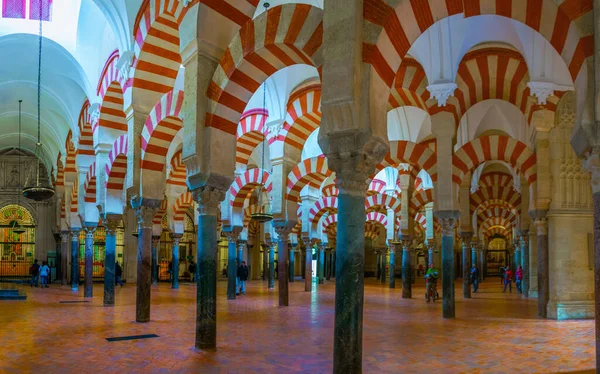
(408, 123)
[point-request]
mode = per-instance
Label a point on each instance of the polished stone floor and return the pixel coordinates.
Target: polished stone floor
(493, 333)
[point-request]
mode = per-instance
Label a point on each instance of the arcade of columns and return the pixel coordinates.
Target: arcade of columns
(149, 150)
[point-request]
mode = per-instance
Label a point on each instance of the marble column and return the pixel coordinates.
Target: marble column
(240, 252)
(321, 265)
(525, 255)
(448, 222)
(64, 248)
(406, 269)
(283, 230)
(333, 263)
(430, 254)
(482, 263)
(392, 281)
(378, 269)
(208, 200)
(265, 258)
(474, 256)
(328, 264)
(292, 262)
(383, 263)
(466, 263)
(232, 237)
(541, 225)
(155, 245)
(308, 269)
(110, 223)
(303, 262)
(58, 261)
(175, 260)
(272, 265)
(88, 287)
(75, 259)
(144, 209)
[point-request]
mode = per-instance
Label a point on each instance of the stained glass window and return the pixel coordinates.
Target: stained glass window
(17, 251)
(34, 9)
(13, 9)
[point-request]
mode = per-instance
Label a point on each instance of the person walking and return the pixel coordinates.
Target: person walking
(44, 273)
(502, 271)
(34, 270)
(508, 279)
(242, 274)
(192, 270)
(118, 274)
(475, 277)
(519, 279)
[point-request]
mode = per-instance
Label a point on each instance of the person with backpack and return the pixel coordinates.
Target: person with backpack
(118, 274)
(44, 271)
(34, 270)
(192, 270)
(508, 279)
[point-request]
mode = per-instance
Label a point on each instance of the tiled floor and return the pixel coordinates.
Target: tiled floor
(493, 333)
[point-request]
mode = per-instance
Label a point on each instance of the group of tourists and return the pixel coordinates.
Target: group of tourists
(506, 277)
(39, 273)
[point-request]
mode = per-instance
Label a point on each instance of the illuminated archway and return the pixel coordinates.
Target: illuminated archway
(17, 251)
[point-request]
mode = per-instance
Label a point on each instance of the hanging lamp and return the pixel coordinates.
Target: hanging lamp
(16, 227)
(264, 209)
(37, 185)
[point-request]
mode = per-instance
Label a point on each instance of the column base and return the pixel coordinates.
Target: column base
(583, 309)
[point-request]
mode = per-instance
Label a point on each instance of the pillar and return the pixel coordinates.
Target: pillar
(75, 259)
(272, 265)
(474, 256)
(483, 263)
(541, 225)
(265, 258)
(154, 265)
(378, 259)
(292, 263)
(232, 237)
(283, 230)
(208, 199)
(308, 268)
(88, 278)
(321, 263)
(303, 262)
(175, 260)
(64, 248)
(430, 254)
(240, 253)
(333, 263)
(525, 260)
(383, 263)
(466, 263)
(144, 209)
(328, 264)
(392, 249)
(448, 221)
(110, 223)
(406, 269)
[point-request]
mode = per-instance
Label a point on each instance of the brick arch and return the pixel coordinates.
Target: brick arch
(162, 124)
(85, 144)
(251, 131)
(303, 117)
(270, 42)
(246, 183)
(110, 89)
(320, 207)
(160, 213)
(311, 171)
(495, 193)
(495, 221)
(419, 200)
(385, 200)
(177, 175)
(89, 188)
(330, 190)
(372, 229)
(493, 147)
(377, 217)
(496, 178)
(377, 186)
(60, 171)
(496, 211)
(330, 220)
(70, 154)
(183, 202)
(419, 156)
(410, 86)
(116, 168)
(498, 231)
(74, 208)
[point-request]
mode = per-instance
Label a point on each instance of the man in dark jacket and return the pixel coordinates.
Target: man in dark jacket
(118, 274)
(242, 274)
(34, 270)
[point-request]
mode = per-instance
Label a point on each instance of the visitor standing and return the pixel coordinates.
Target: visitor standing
(34, 270)
(502, 275)
(242, 274)
(118, 274)
(519, 279)
(508, 279)
(192, 270)
(475, 277)
(44, 272)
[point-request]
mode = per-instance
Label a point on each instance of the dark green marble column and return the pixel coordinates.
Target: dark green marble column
(303, 262)
(208, 200)
(232, 237)
(321, 272)
(406, 270)
(333, 263)
(64, 247)
(483, 264)
(272, 265)
(154, 265)
(392, 281)
(293, 262)
(378, 269)
(240, 252)
(175, 260)
(525, 250)
(88, 278)
(541, 225)
(308, 267)
(474, 257)
(110, 225)
(265, 258)
(466, 263)
(448, 222)
(383, 263)
(328, 262)
(75, 259)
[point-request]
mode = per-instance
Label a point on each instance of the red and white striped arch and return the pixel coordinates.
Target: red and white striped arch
(382, 200)
(410, 86)
(162, 124)
(377, 186)
(377, 217)
(86, 137)
(244, 184)
(70, 157)
(499, 212)
(90, 185)
(251, 132)
(320, 207)
(402, 25)
(332, 219)
(285, 35)
(160, 213)
(74, 209)
(498, 230)
(116, 168)
(495, 221)
(419, 156)
(312, 171)
(419, 200)
(248, 212)
(183, 202)
(496, 178)
(330, 190)
(303, 116)
(495, 193)
(177, 174)
(60, 171)
(111, 87)
(493, 147)
(502, 204)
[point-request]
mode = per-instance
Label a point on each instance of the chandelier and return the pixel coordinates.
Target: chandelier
(38, 186)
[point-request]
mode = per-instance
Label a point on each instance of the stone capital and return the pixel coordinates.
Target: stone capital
(75, 234)
(592, 164)
(155, 240)
(541, 224)
(283, 229)
(466, 237)
(232, 233)
(89, 229)
(448, 220)
(208, 199)
(442, 91)
(64, 236)
(241, 244)
(110, 222)
(176, 238)
(145, 209)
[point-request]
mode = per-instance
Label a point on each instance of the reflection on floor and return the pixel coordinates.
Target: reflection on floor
(493, 332)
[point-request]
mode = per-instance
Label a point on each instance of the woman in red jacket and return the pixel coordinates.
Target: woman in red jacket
(508, 279)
